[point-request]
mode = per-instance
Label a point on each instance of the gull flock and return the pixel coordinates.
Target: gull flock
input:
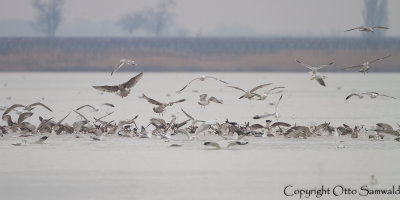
(231, 133)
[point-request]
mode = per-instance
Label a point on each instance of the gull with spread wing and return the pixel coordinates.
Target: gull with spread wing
(250, 94)
(202, 78)
(204, 101)
(367, 29)
(123, 62)
(161, 106)
(314, 69)
(27, 107)
(123, 89)
(365, 66)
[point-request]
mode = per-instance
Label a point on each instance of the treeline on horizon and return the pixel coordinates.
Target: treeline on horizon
(194, 54)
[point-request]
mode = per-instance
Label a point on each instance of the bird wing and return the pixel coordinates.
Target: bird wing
(179, 101)
(93, 108)
(236, 88)
(83, 117)
(273, 89)
(380, 27)
(203, 97)
(213, 99)
(284, 124)
(354, 29)
(46, 121)
(380, 58)
(384, 126)
(59, 122)
(24, 116)
(133, 81)
(263, 116)
(256, 126)
(388, 96)
(108, 104)
(106, 88)
(354, 94)
(214, 144)
(106, 115)
(216, 79)
(320, 81)
(12, 107)
(187, 115)
(152, 101)
(355, 66)
(183, 131)
(201, 129)
(258, 87)
(116, 68)
(305, 65)
(188, 84)
(40, 104)
(322, 66)
(371, 94)
(178, 125)
(277, 103)
(158, 122)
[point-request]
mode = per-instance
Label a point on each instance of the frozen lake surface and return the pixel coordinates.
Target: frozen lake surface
(131, 168)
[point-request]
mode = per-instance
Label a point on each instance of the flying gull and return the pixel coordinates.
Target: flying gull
(202, 78)
(123, 62)
(365, 66)
(122, 89)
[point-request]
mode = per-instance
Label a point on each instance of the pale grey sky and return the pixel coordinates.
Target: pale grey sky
(218, 17)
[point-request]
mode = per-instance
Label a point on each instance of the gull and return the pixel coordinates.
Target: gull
(365, 65)
(367, 29)
(121, 89)
(274, 114)
(204, 101)
(95, 109)
(373, 95)
(250, 94)
(314, 70)
(161, 106)
(265, 94)
(354, 94)
(319, 78)
(218, 145)
(202, 78)
(27, 107)
(123, 62)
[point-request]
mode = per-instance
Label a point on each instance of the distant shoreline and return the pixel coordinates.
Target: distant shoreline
(194, 54)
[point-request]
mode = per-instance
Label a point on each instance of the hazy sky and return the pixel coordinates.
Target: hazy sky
(219, 17)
